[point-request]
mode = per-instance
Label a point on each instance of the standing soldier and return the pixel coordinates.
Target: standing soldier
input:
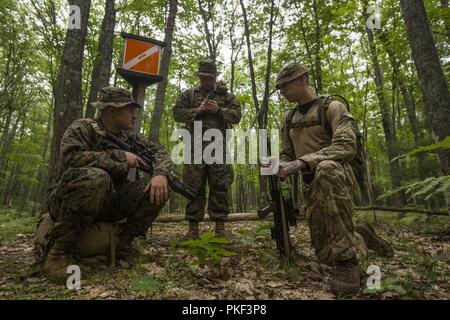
(216, 108)
(93, 185)
(323, 158)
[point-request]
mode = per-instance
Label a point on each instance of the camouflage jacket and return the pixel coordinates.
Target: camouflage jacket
(80, 148)
(312, 144)
(185, 109)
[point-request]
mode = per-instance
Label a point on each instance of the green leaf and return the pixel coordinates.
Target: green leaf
(444, 144)
(145, 284)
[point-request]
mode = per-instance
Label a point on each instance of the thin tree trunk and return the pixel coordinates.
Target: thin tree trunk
(444, 6)
(209, 36)
(265, 105)
(388, 127)
(410, 106)
(235, 49)
(102, 65)
(5, 134)
(250, 58)
(164, 71)
(318, 46)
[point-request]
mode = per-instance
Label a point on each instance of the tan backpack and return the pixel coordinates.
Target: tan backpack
(100, 239)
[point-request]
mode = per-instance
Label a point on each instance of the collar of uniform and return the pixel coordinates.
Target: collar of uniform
(199, 89)
(98, 126)
(304, 108)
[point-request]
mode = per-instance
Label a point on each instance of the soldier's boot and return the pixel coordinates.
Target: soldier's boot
(372, 240)
(222, 232)
(57, 261)
(125, 249)
(220, 229)
(194, 232)
(126, 252)
(346, 278)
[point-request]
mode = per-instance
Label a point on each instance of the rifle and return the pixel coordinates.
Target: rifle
(139, 149)
(284, 212)
(284, 216)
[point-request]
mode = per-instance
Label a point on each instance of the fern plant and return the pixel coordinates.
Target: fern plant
(428, 188)
(444, 144)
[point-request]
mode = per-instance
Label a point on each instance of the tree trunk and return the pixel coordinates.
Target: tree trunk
(265, 104)
(388, 127)
(68, 100)
(409, 104)
(209, 36)
(235, 48)
(432, 81)
(250, 58)
(444, 6)
(42, 175)
(102, 66)
(6, 146)
(164, 72)
(318, 46)
(4, 137)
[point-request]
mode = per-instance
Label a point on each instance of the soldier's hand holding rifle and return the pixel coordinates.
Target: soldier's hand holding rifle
(133, 161)
(157, 186)
(286, 168)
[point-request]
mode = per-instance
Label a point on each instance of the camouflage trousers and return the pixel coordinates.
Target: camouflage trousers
(86, 195)
(219, 178)
(330, 211)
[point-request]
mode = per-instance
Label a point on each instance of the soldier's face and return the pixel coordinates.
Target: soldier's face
(293, 90)
(207, 82)
(125, 117)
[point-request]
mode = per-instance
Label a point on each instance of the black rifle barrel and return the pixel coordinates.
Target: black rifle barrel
(141, 151)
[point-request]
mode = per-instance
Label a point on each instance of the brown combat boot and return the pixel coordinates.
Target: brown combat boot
(57, 261)
(193, 232)
(372, 240)
(127, 252)
(220, 229)
(346, 278)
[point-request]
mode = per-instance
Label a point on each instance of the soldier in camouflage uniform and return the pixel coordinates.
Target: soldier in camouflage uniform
(216, 108)
(328, 178)
(93, 184)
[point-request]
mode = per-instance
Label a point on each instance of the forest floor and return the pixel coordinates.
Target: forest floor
(420, 268)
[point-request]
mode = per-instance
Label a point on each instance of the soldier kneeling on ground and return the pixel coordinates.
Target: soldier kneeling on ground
(93, 184)
(319, 142)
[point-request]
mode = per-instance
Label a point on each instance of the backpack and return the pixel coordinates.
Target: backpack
(357, 163)
(99, 239)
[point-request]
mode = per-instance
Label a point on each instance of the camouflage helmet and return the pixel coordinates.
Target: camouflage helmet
(290, 72)
(207, 67)
(115, 97)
